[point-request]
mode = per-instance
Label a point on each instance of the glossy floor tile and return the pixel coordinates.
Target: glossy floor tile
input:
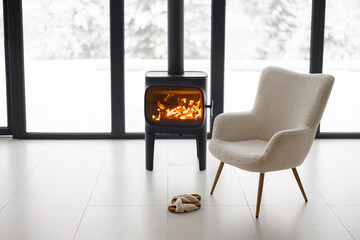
(126, 159)
(350, 217)
(17, 149)
(210, 222)
(300, 223)
(17, 167)
(40, 223)
(134, 166)
(339, 191)
(53, 192)
(99, 189)
(81, 167)
(126, 222)
(8, 187)
(129, 191)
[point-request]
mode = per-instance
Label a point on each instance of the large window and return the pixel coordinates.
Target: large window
(342, 59)
(71, 92)
(146, 48)
(3, 104)
(258, 34)
(67, 65)
(197, 36)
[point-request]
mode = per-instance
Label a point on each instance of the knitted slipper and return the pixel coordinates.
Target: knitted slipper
(180, 207)
(192, 198)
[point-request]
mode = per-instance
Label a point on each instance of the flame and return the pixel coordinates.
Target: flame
(183, 109)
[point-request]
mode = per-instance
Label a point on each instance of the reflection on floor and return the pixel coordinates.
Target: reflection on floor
(99, 189)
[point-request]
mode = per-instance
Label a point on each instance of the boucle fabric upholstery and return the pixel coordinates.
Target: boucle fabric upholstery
(278, 132)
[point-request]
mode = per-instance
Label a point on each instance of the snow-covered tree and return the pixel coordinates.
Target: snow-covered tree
(146, 29)
(285, 27)
(197, 28)
(66, 29)
(342, 32)
(274, 29)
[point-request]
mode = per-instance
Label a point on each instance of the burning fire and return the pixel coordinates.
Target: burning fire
(179, 108)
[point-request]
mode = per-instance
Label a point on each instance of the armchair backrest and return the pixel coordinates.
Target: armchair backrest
(287, 99)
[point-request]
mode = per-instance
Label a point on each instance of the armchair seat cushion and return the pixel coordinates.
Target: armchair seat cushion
(246, 154)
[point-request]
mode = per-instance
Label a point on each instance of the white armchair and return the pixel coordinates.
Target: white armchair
(278, 132)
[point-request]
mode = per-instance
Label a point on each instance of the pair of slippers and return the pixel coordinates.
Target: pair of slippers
(185, 203)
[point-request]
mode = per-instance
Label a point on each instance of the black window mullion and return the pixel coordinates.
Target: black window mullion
(317, 36)
(117, 68)
(6, 130)
(7, 67)
(218, 9)
(15, 65)
(317, 39)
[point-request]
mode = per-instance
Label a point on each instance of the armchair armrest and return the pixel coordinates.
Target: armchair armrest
(288, 148)
(234, 126)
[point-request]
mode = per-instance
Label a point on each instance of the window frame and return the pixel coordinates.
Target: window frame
(6, 130)
(15, 79)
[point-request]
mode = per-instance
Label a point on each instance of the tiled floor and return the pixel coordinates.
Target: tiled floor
(99, 189)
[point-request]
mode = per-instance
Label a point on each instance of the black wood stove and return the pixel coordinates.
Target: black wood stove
(175, 101)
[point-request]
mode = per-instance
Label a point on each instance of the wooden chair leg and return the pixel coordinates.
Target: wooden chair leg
(299, 183)
(217, 177)
(261, 184)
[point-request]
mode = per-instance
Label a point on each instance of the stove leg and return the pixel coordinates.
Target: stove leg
(201, 150)
(149, 150)
(197, 147)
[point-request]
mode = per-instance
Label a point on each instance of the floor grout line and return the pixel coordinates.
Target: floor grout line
(248, 205)
(87, 204)
(332, 210)
(27, 177)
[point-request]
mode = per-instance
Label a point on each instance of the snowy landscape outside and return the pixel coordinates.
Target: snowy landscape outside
(67, 57)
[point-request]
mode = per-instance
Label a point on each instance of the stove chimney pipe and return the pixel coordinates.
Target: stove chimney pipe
(175, 37)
